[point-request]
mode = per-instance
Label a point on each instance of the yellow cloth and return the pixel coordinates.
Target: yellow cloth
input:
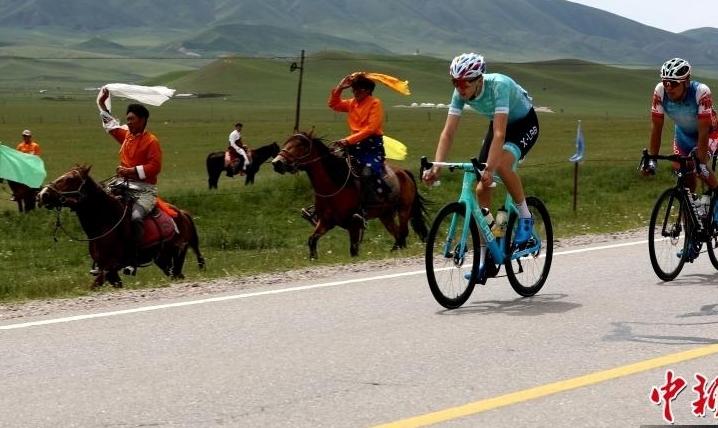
(394, 149)
(400, 86)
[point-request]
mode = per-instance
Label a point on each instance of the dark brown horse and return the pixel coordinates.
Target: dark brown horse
(215, 163)
(24, 195)
(105, 220)
(337, 194)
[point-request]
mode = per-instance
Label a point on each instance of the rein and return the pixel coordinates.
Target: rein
(285, 154)
(81, 196)
(58, 225)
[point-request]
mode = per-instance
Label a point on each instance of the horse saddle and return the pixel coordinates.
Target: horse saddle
(159, 227)
(232, 163)
(391, 188)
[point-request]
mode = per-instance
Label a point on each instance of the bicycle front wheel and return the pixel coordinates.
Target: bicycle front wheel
(449, 261)
(528, 273)
(667, 243)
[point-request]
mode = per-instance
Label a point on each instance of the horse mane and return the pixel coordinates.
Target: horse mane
(93, 186)
(336, 166)
(265, 152)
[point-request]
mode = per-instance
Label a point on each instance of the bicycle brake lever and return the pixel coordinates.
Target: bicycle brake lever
(479, 169)
(425, 166)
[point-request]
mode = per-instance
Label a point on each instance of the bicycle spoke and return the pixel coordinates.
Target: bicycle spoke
(527, 268)
(449, 259)
(667, 233)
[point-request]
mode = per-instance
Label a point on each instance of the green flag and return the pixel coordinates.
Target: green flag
(21, 167)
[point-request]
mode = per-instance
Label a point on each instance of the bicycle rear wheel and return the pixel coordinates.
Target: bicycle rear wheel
(528, 273)
(713, 232)
(446, 262)
(667, 232)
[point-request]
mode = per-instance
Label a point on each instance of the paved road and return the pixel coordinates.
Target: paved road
(365, 352)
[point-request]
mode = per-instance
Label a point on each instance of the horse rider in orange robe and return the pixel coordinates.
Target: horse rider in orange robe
(140, 164)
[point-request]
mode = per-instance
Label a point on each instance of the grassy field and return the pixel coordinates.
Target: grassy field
(250, 229)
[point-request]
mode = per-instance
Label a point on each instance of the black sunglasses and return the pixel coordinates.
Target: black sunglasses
(671, 83)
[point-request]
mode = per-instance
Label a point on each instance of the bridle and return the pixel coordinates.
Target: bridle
(81, 197)
(294, 161)
(64, 194)
(298, 161)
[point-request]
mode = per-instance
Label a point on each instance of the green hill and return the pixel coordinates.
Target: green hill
(519, 30)
(98, 44)
(268, 40)
(704, 35)
(569, 86)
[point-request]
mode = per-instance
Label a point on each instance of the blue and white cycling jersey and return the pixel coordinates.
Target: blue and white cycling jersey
(500, 94)
(696, 104)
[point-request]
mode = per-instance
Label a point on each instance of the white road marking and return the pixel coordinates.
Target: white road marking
(264, 293)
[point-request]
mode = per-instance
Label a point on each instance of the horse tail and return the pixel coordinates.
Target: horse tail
(194, 241)
(418, 211)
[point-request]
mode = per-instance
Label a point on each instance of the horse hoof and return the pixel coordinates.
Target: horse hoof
(178, 276)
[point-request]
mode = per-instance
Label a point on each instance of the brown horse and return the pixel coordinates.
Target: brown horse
(105, 220)
(24, 195)
(215, 163)
(337, 194)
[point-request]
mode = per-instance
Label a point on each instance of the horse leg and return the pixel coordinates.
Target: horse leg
(404, 217)
(163, 262)
(178, 262)
(319, 231)
(214, 178)
(99, 280)
(19, 199)
(395, 231)
(114, 278)
(355, 235)
(30, 201)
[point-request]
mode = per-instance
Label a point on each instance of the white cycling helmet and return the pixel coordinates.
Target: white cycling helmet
(467, 66)
(676, 68)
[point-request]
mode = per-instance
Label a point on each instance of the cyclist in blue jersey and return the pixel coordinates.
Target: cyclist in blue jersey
(512, 132)
(690, 105)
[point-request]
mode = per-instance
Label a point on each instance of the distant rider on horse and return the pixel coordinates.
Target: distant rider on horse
(140, 164)
(237, 149)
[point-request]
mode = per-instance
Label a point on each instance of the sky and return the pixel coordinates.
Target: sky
(669, 15)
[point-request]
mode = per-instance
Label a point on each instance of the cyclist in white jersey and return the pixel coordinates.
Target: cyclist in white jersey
(690, 105)
(512, 132)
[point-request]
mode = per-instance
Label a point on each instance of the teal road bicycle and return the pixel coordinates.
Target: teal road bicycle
(453, 246)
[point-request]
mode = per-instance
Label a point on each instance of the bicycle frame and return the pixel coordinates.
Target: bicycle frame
(468, 198)
(681, 188)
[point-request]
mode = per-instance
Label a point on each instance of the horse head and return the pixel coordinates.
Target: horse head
(68, 190)
(300, 150)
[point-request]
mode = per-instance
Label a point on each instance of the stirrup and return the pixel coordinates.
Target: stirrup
(361, 218)
(311, 217)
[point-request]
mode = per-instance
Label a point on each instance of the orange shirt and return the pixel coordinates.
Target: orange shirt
(365, 118)
(31, 148)
(141, 151)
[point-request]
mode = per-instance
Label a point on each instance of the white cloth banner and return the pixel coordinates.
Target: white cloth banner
(152, 95)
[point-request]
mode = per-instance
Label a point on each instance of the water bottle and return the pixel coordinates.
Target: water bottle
(488, 217)
(502, 219)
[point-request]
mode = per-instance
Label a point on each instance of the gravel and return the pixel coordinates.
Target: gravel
(110, 299)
